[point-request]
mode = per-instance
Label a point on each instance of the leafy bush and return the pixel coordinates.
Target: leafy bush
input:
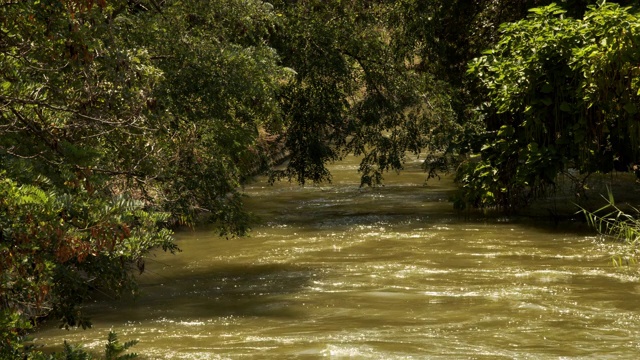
(560, 93)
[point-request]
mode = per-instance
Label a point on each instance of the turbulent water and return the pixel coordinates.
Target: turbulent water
(393, 272)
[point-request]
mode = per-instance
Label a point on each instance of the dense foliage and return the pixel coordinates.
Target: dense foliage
(117, 121)
(562, 95)
(356, 90)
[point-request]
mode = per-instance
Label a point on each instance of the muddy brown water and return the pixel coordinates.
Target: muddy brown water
(336, 271)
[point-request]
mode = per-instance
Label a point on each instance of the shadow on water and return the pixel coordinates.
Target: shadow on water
(243, 290)
(312, 210)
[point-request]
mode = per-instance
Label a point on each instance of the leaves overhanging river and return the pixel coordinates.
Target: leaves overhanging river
(393, 272)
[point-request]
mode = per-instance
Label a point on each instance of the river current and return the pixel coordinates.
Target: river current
(339, 271)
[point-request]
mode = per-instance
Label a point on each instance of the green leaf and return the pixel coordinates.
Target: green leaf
(631, 108)
(565, 106)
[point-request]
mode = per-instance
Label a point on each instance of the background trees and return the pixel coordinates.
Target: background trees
(355, 89)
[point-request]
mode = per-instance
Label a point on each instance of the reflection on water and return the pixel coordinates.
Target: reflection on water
(338, 271)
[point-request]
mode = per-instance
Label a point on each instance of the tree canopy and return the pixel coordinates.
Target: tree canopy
(119, 119)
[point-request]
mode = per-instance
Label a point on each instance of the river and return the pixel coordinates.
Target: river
(393, 272)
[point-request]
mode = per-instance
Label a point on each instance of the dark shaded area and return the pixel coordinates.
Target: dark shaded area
(219, 291)
(341, 208)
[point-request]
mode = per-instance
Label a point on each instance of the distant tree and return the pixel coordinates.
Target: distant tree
(352, 92)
